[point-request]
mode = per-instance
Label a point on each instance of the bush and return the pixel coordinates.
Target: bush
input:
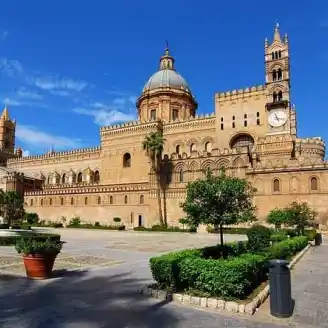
(164, 228)
(259, 237)
(97, 224)
(31, 218)
(228, 230)
(231, 249)
(99, 227)
(287, 248)
(277, 217)
(117, 220)
(279, 236)
(75, 221)
(11, 240)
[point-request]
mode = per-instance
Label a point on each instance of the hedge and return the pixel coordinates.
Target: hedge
(99, 227)
(11, 240)
(233, 277)
(163, 228)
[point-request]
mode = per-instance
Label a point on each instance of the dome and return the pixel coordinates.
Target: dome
(166, 78)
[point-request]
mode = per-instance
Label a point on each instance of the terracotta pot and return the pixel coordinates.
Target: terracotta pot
(39, 266)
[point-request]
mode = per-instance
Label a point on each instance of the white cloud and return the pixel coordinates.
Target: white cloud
(118, 111)
(35, 138)
(24, 93)
(59, 83)
(105, 117)
(11, 68)
(26, 153)
(62, 93)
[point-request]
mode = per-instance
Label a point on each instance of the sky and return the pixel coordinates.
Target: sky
(69, 67)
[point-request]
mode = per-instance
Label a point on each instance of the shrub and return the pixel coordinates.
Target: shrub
(277, 217)
(117, 220)
(31, 218)
(11, 240)
(164, 228)
(279, 236)
(258, 237)
(231, 249)
(26, 246)
(287, 248)
(97, 224)
(75, 221)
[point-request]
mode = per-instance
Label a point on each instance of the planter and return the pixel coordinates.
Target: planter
(39, 266)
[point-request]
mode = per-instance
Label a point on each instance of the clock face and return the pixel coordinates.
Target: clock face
(277, 118)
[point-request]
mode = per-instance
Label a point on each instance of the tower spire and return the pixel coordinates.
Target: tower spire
(276, 36)
(5, 113)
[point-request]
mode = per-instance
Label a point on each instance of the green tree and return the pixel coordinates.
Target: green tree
(220, 201)
(153, 144)
(277, 216)
(31, 218)
(300, 215)
(12, 207)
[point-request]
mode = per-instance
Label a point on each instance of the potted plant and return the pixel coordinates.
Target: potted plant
(38, 256)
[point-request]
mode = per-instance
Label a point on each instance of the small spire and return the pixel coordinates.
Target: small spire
(166, 61)
(286, 38)
(5, 113)
(167, 50)
(276, 33)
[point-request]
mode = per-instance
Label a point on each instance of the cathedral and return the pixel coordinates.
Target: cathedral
(252, 134)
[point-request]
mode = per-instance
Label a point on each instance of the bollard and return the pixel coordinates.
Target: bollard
(281, 304)
(318, 239)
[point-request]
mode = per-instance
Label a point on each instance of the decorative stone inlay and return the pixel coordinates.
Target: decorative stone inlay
(213, 303)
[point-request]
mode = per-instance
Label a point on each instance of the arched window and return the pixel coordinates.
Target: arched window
(272, 55)
(314, 183)
(72, 201)
(208, 146)
(274, 97)
(79, 177)
(96, 177)
(279, 74)
(192, 147)
(61, 201)
(142, 199)
(276, 185)
(181, 175)
(63, 179)
(279, 95)
(125, 199)
(99, 200)
(126, 160)
(86, 201)
(242, 140)
(41, 202)
(274, 75)
(31, 202)
(279, 53)
(50, 201)
(177, 149)
(276, 54)
(111, 200)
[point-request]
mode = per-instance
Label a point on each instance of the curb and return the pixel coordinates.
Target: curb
(214, 303)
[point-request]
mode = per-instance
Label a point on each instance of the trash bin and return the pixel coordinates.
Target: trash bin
(281, 304)
(318, 239)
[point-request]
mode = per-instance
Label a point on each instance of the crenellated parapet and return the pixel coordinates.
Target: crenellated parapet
(51, 156)
(311, 147)
(88, 189)
(240, 93)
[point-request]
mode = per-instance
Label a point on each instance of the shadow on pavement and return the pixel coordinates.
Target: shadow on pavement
(79, 299)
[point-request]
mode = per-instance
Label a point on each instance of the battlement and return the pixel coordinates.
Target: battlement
(315, 140)
(240, 93)
(49, 155)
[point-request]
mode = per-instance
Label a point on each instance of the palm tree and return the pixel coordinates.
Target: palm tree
(153, 144)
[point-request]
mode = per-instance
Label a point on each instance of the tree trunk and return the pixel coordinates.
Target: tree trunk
(221, 235)
(164, 206)
(158, 189)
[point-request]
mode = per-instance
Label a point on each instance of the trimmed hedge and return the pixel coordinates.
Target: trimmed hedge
(99, 227)
(230, 278)
(163, 228)
(11, 240)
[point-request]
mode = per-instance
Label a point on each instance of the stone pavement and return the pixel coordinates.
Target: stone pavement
(112, 265)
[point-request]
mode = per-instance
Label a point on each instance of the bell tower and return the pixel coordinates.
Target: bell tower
(7, 132)
(277, 81)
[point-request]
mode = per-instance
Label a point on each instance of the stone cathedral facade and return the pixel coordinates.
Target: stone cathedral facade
(252, 134)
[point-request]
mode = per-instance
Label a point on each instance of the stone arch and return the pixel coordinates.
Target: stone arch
(208, 164)
(238, 162)
(222, 163)
(192, 145)
(63, 178)
(96, 177)
(207, 144)
(79, 177)
(242, 139)
(178, 147)
(180, 169)
(294, 184)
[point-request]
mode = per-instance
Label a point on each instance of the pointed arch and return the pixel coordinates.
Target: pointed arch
(238, 162)
(96, 177)
(294, 184)
(208, 164)
(314, 183)
(79, 177)
(193, 166)
(276, 185)
(63, 178)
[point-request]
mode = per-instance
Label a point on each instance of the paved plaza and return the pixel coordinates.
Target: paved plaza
(98, 273)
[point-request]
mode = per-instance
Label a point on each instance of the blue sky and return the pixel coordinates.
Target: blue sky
(69, 67)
